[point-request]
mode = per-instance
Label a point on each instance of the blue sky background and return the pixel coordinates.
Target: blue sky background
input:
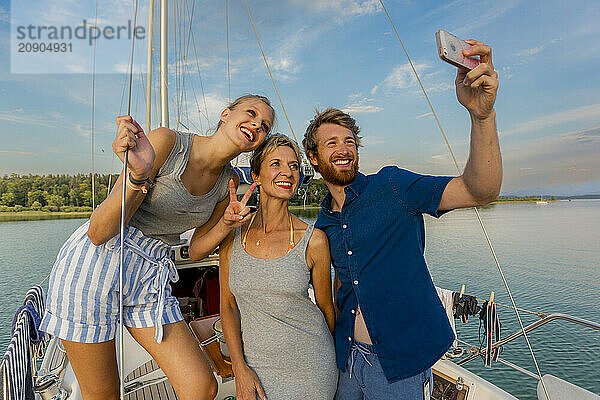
(338, 53)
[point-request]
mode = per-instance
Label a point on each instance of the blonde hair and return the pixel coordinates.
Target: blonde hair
(328, 116)
(248, 97)
(268, 146)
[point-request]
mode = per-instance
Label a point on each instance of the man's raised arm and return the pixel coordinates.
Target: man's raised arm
(482, 177)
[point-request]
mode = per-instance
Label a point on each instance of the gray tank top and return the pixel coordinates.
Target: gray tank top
(169, 209)
(286, 338)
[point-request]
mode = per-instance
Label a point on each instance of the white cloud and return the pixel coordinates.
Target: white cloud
(576, 114)
(4, 15)
(467, 16)
(570, 157)
(341, 10)
(283, 58)
(360, 105)
(284, 64)
(401, 77)
(83, 131)
(373, 140)
(322, 16)
(77, 69)
(215, 103)
(505, 72)
(529, 52)
(18, 153)
(426, 115)
(201, 117)
(20, 118)
(353, 9)
(440, 87)
(361, 109)
(473, 16)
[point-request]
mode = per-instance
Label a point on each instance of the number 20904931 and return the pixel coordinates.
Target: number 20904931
(45, 47)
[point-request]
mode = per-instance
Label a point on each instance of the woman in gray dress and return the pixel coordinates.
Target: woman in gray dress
(266, 266)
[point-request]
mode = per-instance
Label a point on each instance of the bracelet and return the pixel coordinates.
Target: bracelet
(132, 187)
(138, 184)
(140, 181)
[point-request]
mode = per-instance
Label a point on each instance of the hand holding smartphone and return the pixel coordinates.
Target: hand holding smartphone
(450, 50)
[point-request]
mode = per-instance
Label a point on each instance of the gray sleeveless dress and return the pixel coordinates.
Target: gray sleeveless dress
(285, 335)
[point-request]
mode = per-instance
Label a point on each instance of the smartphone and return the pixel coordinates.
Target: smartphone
(450, 50)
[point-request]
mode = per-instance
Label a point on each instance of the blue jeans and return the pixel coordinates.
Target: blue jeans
(364, 379)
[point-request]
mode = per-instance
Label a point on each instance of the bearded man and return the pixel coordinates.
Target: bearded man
(391, 326)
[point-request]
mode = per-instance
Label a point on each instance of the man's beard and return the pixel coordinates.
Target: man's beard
(339, 178)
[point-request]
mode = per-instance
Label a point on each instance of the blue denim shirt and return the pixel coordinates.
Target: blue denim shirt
(377, 243)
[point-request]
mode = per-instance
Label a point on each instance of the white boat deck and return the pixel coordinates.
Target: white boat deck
(159, 391)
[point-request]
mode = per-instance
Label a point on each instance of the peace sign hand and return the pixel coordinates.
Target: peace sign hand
(476, 89)
(237, 213)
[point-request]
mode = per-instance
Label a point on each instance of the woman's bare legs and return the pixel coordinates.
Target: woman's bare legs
(182, 360)
(179, 355)
(95, 366)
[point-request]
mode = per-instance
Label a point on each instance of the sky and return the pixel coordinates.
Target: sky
(340, 53)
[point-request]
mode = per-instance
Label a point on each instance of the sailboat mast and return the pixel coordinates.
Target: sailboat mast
(164, 99)
(149, 67)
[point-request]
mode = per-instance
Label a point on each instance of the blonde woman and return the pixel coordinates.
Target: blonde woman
(177, 181)
(265, 270)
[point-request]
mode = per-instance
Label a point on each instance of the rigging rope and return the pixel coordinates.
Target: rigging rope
(122, 234)
(227, 41)
(93, 121)
(536, 313)
(154, 107)
(175, 49)
(185, 59)
(474, 208)
(200, 79)
(132, 58)
(270, 74)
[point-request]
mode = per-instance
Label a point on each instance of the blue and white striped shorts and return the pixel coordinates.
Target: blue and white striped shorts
(83, 291)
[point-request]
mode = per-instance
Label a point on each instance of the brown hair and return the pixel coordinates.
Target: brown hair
(248, 97)
(328, 116)
(268, 146)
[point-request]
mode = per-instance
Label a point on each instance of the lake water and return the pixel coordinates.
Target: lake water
(550, 255)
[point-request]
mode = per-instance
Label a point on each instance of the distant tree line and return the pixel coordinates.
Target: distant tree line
(65, 193)
(68, 193)
(315, 192)
(310, 196)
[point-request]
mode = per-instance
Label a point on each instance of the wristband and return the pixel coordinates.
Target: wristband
(140, 181)
(139, 184)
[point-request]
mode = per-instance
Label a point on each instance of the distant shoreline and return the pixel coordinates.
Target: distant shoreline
(41, 215)
(521, 201)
